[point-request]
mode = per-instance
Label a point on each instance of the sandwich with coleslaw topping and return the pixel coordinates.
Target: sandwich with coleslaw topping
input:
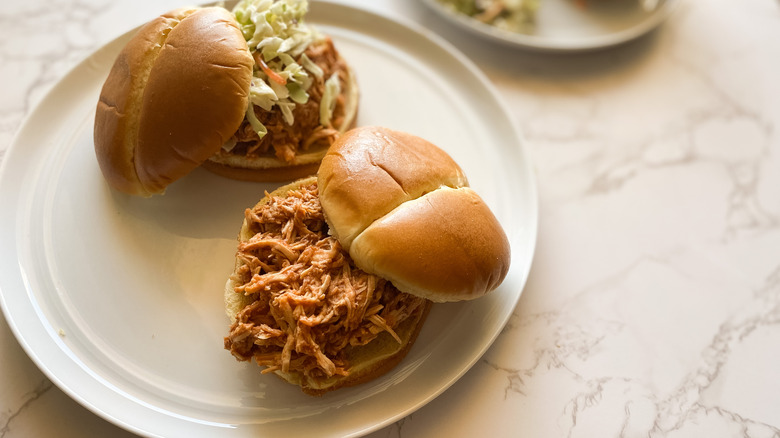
(303, 94)
(254, 93)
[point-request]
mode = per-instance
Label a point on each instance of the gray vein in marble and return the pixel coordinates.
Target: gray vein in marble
(42, 388)
(747, 426)
(744, 174)
(514, 376)
(626, 420)
(684, 404)
(571, 341)
(763, 310)
(613, 169)
(585, 400)
(395, 430)
(43, 65)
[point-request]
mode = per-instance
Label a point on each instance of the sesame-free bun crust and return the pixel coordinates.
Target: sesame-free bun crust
(175, 94)
(367, 362)
(403, 209)
(444, 246)
(371, 170)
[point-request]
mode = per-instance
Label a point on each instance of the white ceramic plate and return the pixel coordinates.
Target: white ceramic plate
(119, 299)
(567, 26)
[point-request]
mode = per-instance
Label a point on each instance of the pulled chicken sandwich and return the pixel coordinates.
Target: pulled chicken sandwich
(335, 274)
(305, 308)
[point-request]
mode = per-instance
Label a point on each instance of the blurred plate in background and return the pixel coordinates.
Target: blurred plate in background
(570, 25)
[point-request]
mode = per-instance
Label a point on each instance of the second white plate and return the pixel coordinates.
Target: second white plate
(571, 25)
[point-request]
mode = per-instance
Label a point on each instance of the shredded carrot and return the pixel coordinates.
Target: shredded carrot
(272, 75)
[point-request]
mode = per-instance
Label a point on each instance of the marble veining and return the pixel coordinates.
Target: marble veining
(43, 387)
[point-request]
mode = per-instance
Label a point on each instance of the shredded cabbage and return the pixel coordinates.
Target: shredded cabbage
(275, 31)
(511, 15)
(315, 69)
(329, 97)
(254, 122)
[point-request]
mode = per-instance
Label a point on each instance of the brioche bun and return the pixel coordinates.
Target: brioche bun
(371, 170)
(367, 362)
(178, 93)
(175, 94)
(402, 208)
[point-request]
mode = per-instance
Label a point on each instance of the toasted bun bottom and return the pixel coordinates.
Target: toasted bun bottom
(270, 174)
(367, 362)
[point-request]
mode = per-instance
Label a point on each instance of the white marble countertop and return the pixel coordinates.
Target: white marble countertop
(653, 305)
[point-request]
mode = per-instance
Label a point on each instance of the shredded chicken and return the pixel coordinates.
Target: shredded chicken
(309, 300)
(285, 141)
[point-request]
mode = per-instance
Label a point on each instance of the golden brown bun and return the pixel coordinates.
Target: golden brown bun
(444, 246)
(371, 170)
(272, 169)
(367, 362)
(175, 94)
(401, 207)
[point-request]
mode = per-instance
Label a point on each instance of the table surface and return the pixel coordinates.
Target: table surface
(653, 304)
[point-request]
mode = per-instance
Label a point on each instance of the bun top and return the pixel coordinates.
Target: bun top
(403, 209)
(177, 91)
(371, 170)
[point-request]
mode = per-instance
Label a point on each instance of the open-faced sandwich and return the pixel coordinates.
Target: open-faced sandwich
(335, 274)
